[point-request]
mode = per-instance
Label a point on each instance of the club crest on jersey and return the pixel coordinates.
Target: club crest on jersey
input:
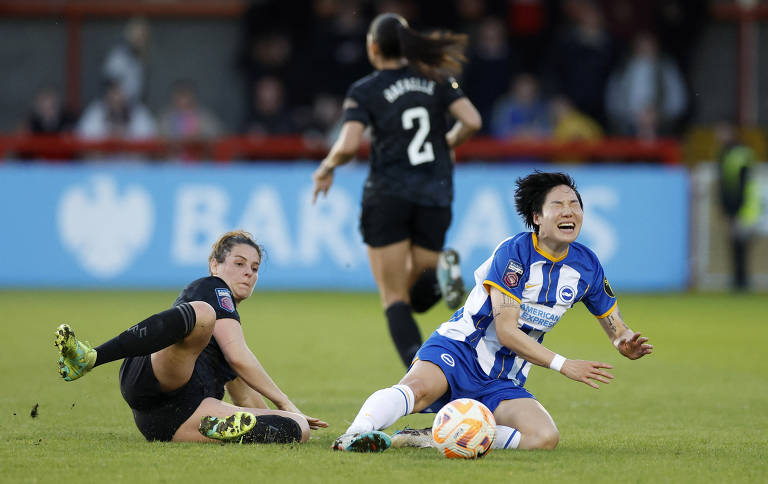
(225, 299)
(607, 287)
(448, 359)
(566, 294)
(512, 274)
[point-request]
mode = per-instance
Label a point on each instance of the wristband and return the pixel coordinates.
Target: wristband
(557, 362)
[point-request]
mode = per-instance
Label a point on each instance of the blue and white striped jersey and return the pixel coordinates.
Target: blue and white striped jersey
(545, 287)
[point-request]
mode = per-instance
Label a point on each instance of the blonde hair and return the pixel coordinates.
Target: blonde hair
(223, 246)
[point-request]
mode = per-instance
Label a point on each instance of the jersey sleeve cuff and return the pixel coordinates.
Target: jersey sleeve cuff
(487, 284)
(607, 312)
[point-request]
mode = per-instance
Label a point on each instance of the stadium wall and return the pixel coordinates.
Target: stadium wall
(151, 226)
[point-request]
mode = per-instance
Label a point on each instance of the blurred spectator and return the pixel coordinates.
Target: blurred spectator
(739, 197)
(529, 23)
(471, 14)
(125, 63)
(491, 65)
(646, 95)
(184, 119)
(627, 18)
(337, 40)
(269, 114)
(112, 116)
(571, 125)
(581, 58)
(323, 122)
(678, 24)
(48, 115)
(521, 113)
(277, 42)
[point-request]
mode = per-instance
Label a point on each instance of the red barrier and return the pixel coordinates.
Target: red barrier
(296, 147)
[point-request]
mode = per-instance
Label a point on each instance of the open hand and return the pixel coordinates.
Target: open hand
(586, 371)
(633, 346)
(315, 423)
(323, 179)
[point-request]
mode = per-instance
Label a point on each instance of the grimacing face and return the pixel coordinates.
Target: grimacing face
(560, 218)
(240, 270)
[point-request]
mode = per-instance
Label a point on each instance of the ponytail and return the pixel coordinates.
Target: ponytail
(438, 55)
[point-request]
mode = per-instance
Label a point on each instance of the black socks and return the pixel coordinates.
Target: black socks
(425, 291)
(404, 331)
(273, 429)
(153, 334)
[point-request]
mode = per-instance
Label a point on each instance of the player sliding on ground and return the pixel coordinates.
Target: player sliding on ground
(487, 348)
(177, 363)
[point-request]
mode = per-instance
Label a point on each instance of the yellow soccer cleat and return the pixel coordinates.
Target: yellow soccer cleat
(77, 358)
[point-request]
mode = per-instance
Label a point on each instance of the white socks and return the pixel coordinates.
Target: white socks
(506, 438)
(383, 408)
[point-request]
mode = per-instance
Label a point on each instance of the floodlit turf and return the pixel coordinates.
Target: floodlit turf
(694, 411)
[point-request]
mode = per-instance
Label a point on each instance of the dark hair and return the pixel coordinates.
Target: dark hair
(225, 244)
(438, 55)
(532, 190)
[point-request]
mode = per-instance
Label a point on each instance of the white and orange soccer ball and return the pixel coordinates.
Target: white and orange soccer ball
(464, 429)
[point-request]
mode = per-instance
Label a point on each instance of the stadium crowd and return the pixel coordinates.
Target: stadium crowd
(536, 69)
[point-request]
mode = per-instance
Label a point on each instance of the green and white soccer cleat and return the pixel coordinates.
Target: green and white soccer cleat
(77, 358)
(227, 429)
(449, 278)
(374, 441)
(408, 437)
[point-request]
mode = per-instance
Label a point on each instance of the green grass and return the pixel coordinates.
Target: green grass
(694, 411)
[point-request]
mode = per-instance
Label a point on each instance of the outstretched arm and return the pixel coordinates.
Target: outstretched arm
(343, 150)
(506, 311)
(230, 338)
(629, 343)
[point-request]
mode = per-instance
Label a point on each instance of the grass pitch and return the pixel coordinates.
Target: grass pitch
(694, 411)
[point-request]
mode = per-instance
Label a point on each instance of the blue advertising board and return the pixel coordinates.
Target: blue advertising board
(152, 226)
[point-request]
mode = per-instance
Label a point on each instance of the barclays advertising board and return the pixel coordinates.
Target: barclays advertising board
(150, 226)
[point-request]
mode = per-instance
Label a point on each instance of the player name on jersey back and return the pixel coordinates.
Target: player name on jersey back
(408, 84)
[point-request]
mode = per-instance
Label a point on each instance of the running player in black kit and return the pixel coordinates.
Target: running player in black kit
(407, 196)
(179, 362)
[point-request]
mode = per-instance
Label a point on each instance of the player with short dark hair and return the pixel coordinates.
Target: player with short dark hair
(406, 206)
(177, 363)
(487, 348)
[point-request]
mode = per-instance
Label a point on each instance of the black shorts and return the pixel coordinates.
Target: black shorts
(159, 414)
(386, 220)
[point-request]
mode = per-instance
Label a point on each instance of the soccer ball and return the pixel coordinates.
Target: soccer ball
(464, 429)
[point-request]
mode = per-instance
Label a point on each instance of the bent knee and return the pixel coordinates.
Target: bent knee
(205, 316)
(305, 431)
(542, 439)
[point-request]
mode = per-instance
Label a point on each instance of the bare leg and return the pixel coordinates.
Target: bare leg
(421, 260)
(531, 419)
(188, 432)
(427, 382)
(390, 267)
(422, 385)
(173, 365)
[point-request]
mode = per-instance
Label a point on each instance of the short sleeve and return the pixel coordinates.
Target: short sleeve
(506, 271)
(215, 292)
(354, 106)
(451, 91)
(599, 299)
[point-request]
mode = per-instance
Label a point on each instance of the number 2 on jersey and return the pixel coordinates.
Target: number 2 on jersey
(419, 151)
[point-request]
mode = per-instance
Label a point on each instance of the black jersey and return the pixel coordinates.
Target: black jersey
(408, 115)
(215, 292)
